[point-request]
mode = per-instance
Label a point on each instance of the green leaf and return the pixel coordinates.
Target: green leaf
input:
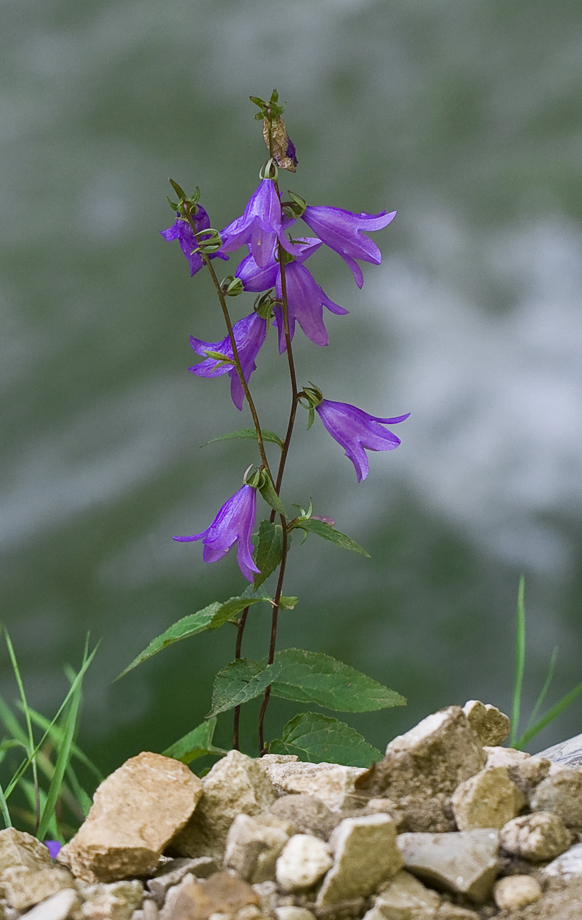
(267, 490)
(195, 744)
(240, 681)
(269, 550)
(178, 189)
(316, 738)
(311, 677)
(231, 608)
(288, 603)
(249, 434)
(334, 536)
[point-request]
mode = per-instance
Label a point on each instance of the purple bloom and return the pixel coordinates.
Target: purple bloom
(342, 231)
(260, 226)
(182, 231)
(356, 430)
(53, 846)
(249, 335)
(235, 521)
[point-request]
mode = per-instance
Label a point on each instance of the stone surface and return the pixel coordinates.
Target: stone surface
(58, 907)
(307, 814)
(135, 813)
(566, 866)
(422, 768)
(113, 901)
(516, 891)
(235, 785)
(488, 799)
(464, 862)
(562, 794)
(303, 862)
(148, 911)
(175, 870)
(490, 724)
(330, 783)
(293, 913)
(354, 874)
(198, 900)
(567, 752)
(254, 844)
(454, 912)
(539, 836)
(404, 898)
(524, 770)
(17, 848)
(22, 886)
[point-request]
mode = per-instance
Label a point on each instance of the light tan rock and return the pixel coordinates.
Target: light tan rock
(453, 912)
(307, 814)
(562, 794)
(235, 785)
(330, 783)
(135, 813)
(354, 874)
(148, 911)
(199, 900)
(539, 836)
(254, 844)
(22, 886)
(525, 770)
(17, 848)
(567, 752)
(404, 898)
(113, 901)
(174, 871)
(303, 862)
(386, 806)
(487, 721)
(488, 799)
(422, 768)
(59, 906)
(293, 913)
(464, 862)
(269, 898)
(516, 891)
(566, 866)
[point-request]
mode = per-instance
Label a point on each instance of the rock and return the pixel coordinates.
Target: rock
(490, 724)
(114, 901)
(17, 848)
(148, 911)
(307, 814)
(268, 895)
(453, 912)
(541, 835)
(516, 891)
(387, 807)
(293, 913)
(235, 785)
(524, 770)
(22, 886)
(254, 844)
(58, 907)
(135, 813)
(220, 894)
(303, 862)
(422, 769)
(174, 871)
(567, 752)
(567, 866)
(404, 898)
(354, 873)
(562, 794)
(464, 862)
(330, 783)
(488, 799)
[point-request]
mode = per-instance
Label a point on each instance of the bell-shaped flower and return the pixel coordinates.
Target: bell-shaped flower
(343, 231)
(260, 226)
(182, 231)
(235, 521)
(357, 432)
(249, 335)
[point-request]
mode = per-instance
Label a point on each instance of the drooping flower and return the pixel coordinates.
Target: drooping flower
(235, 521)
(249, 335)
(260, 226)
(356, 432)
(182, 231)
(343, 232)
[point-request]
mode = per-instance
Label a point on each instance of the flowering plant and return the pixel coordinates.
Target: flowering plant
(274, 267)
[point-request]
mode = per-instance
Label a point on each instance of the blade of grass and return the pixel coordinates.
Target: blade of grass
(519, 662)
(52, 830)
(29, 731)
(4, 809)
(551, 715)
(544, 690)
(56, 735)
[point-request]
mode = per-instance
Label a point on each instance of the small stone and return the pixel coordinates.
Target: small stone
(404, 897)
(303, 862)
(488, 722)
(174, 871)
(387, 807)
(249, 912)
(17, 848)
(488, 799)
(539, 836)
(24, 887)
(114, 901)
(354, 874)
(307, 814)
(268, 895)
(566, 866)
(58, 907)
(293, 913)
(562, 794)
(148, 911)
(524, 770)
(516, 891)
(254, 844)
(453, 912)
(235, 785)
(464, 862)
(330, 783)
(220, 894)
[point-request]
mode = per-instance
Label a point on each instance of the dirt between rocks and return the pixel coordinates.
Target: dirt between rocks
(449, 825)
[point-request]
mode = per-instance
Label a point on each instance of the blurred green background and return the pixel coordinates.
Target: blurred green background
(465, 116)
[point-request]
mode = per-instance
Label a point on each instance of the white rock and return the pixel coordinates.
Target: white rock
(516, 891)
(57, 907)
(303, 862)
(567, 866)
(539, 836)
(253, 846)
(293, 913)
(403, 898)
(331, 783)
(525, 770)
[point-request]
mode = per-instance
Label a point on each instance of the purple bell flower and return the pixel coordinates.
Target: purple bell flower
(249, 335)
(343, 232)
(235, 521)
(54, 847)
(356, 430)
(182, 231)
(260, 226)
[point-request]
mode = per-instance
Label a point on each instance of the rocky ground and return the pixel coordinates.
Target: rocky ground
(448, 826)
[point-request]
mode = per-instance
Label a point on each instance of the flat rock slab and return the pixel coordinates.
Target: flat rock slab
(365, 853)
(488, 799)
(464, 862)
(330, 783)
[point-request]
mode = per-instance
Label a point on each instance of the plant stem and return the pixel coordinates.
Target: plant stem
(237, 651)
(273, 643)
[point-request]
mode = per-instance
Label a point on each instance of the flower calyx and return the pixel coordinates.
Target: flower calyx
(209, 241)
(310, 397)
(295, 208)
(231, 286)
(264, 305)
(269, 170)
(186, 206)
(261, 480)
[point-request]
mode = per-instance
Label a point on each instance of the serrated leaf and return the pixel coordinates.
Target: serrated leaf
(269, 550)
(240, 681)
(316, 739)
(334, 536)
(195, 744)
(312, 677)
(248, 434)
(231, 608)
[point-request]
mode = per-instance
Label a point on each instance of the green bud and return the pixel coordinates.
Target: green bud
(178, 189)
(231, 286)
(264, 305)
(269, 170)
